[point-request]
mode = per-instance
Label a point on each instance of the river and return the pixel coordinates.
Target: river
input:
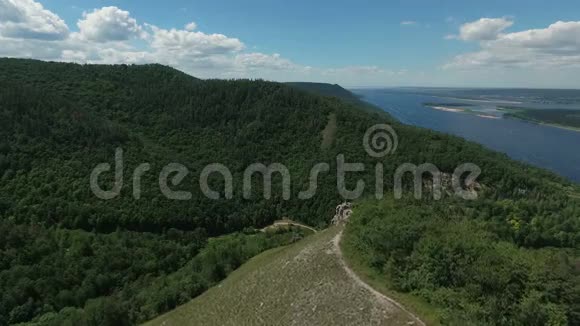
(547, 147)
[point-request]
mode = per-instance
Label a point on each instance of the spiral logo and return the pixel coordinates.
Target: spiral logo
(380, 140)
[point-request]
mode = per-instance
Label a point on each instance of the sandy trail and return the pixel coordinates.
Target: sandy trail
(307, 283)
(289, 223)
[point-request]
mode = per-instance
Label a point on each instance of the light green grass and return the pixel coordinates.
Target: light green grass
(329, 133)
(301, 284)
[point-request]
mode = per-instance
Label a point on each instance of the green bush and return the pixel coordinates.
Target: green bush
(463, 267)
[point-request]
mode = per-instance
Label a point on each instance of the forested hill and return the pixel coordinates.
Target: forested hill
(326, 90)
(67, 255)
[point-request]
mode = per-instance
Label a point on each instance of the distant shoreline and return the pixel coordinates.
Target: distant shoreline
(544, 123)
(457, 109)
(522, 115)
(487, 116)
(508, 113)
(484, 101)
(447, 109)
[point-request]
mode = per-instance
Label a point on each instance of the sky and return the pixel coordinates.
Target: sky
(360, 43)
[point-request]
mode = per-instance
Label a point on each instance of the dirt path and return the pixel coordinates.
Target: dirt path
(306, 283)
(289, 223)
(380, 297)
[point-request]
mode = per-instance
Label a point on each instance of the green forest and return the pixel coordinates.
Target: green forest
(559, 117)
(69, 258)
(470, 264)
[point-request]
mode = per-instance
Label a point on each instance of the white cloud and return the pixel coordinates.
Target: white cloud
(185, 43)
(263, 61)
(559, 37)
(484, 29)
(408, 23)
(30, 48)
(27, 19)
(73, 56)
(106, 36)
(558, 45)
(113, 55)
(191, 27)
(108, 24)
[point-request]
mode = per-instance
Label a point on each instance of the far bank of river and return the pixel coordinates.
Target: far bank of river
(548, 147)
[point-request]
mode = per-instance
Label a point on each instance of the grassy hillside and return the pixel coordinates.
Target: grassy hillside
(302, 284)
(68, 257)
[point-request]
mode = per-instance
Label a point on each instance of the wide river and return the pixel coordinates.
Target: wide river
(548, 147)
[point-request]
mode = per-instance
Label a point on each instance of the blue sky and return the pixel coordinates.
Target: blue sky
(354, 43)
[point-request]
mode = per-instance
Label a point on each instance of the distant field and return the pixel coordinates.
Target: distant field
(557, 117)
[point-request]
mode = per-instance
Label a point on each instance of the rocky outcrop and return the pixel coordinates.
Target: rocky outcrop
(343, 212)
(447, 188)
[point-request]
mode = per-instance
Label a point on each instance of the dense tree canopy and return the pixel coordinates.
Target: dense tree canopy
(467, 266)
(67, 256)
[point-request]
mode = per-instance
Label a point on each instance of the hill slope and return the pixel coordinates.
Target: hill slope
(457, 267)
(337, 91)
(68, 257)
(302, 284)
(326, 90)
